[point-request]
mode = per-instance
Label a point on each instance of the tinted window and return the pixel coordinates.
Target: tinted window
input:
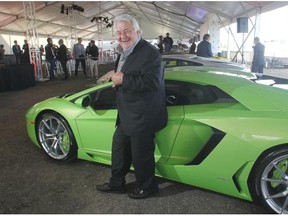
(170, 63)
(184, 93)
(178, 62)
(189, 63)
(104, 99)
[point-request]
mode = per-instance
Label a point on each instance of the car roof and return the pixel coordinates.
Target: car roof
(205, 75)
(216, 70)
(216, 62)
(252, 95)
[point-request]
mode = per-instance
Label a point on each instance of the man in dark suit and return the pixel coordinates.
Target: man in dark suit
(94, 55)
(168, 43)
(204, 47)
(50, 57)
(26, 53)
(258, 58)
(16, 51)
(140, 90)
(62, 57)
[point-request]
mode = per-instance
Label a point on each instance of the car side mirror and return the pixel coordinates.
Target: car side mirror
(84, 101)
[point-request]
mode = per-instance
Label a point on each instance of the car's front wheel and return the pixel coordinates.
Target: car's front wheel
(56, 137)
(269, 183)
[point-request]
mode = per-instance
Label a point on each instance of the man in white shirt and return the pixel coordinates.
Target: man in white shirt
(79, 56)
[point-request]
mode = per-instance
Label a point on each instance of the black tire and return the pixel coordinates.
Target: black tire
(269, 181)
(55, 137)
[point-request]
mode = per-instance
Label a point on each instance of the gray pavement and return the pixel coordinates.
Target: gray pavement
(277, 73)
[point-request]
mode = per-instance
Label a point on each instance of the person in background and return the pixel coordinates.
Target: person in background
(50, 57)
(141, 104)
(88, 49)
(26, 54)
(160, 44)
(168, 42)
(258, 61)
(41, 49)
(192, 48)
(2, 53)
(62, 57)
(204, 47)
(79, 55)
(16, 51)
(94, 55)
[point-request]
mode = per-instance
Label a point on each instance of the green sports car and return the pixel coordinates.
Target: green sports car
(225, 133)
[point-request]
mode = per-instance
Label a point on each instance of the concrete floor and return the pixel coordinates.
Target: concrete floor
(30, 182)
(279, 73)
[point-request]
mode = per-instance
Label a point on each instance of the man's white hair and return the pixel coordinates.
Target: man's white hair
(130, 19)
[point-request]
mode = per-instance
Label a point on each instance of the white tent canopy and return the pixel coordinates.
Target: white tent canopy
(182, 19)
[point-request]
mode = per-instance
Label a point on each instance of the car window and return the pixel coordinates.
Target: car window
(170, 63)
(184, 93)
(178, 93)
(188, 63)
(178, 62)
(104, 99)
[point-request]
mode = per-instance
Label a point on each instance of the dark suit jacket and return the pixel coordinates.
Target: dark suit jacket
(62, 53)
(48, 52)
(258, 58)
(204, 49)
(94, 52)
(15, 50)
(141, 97)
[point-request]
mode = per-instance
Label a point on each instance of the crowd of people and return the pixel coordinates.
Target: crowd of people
(80, 54)
(165, 44)
(54, 53)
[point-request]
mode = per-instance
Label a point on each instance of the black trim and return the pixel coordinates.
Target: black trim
(214, 140)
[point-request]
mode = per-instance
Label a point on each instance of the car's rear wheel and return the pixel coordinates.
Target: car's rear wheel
(56, 137)
(269, 183)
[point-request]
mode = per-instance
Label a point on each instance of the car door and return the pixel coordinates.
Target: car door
(96, 126)
(194, 139)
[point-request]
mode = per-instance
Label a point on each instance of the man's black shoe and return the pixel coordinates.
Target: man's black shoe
(143, 194)
(65, 78)
(106, 188)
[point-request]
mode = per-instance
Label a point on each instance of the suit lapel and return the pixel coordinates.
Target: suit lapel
(117, 62)
(131, 58)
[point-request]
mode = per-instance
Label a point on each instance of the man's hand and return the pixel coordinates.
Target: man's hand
(117, 78)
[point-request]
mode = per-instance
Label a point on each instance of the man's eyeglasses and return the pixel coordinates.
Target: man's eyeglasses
(126, 32)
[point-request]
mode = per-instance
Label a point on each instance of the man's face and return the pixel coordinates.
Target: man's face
(126, 35)
(80, 40)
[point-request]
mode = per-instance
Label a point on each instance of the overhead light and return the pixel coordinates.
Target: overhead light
(77, 8)
(110, 24)
(71, 7)
(103, 20)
